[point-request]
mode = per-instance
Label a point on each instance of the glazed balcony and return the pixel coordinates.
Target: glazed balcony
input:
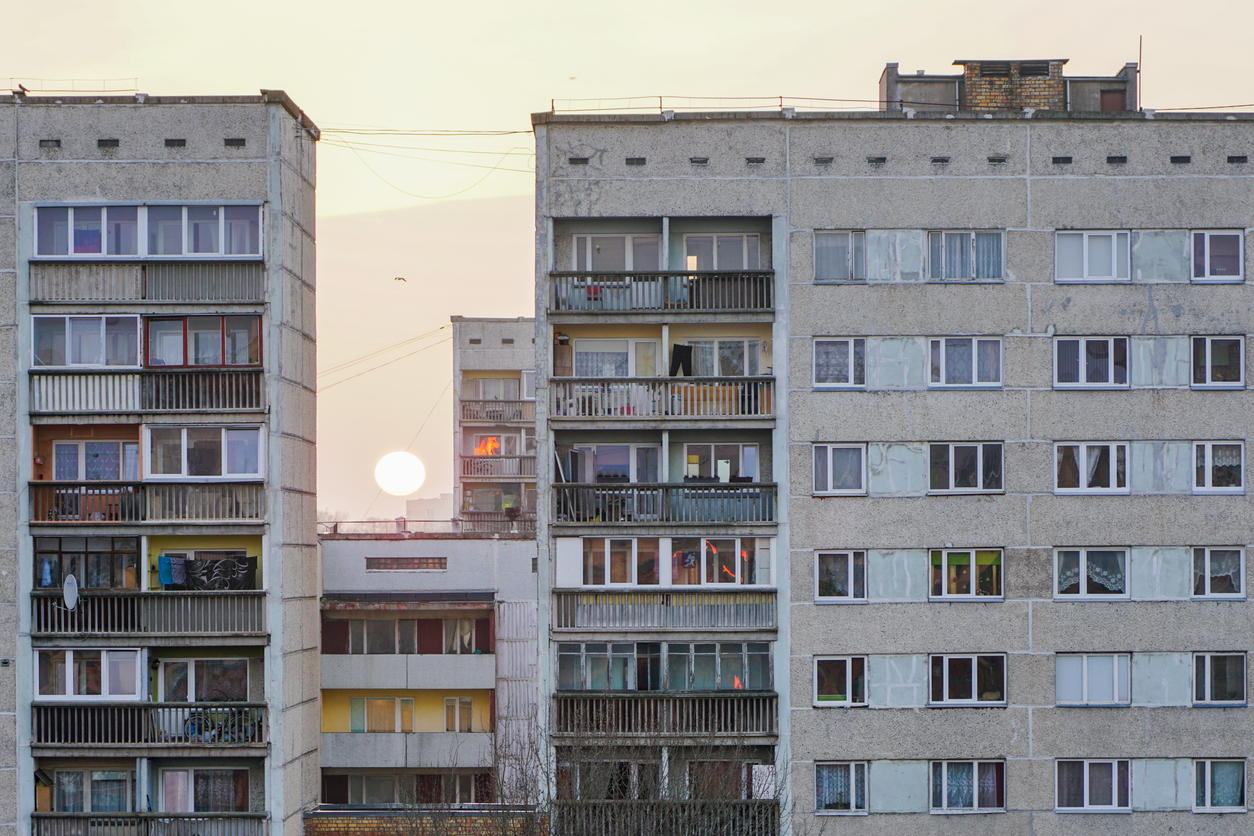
(147, 391)
(149, 824)
(126, 612)
(498, 412)
(663, 292)
(97, 503)
(733, 716)
(671, 503)
(662, 398)
(754, 817)
(581, 610)
(148, 725)
(498, 467)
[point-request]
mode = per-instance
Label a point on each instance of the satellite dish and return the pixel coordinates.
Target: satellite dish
(69, 592)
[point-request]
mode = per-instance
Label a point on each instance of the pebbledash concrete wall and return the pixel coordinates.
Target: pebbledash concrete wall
(1000, 175)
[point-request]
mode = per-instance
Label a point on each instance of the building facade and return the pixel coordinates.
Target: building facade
(162, 656)
(990, 344)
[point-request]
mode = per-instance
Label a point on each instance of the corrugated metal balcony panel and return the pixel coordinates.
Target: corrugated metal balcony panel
(205, 281)
(664, 610)
(86, 282)
(84, 392)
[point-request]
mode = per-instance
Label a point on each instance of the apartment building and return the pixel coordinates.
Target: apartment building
(162, 658)
(989, 342)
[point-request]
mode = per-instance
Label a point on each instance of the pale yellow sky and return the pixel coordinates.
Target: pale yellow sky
(487, 66)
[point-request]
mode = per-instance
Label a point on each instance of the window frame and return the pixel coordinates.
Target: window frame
(1206, 277)
(1204, 554)
(740, 446)
(938, 366)
(857, 772)
(1081, 595)
(105, 695)
(607, 565)
(972, 238)
(1081, 457)
(147, 359)
(1115, 775)
(855, 364)
(1086, 234)
(974, 594)
(857, 594)
(1082, 367)
(148, 458)
(103, 318)
(975, 701)
(975, 808)
(1203, 780)
(855, 256)
(80, 444)
(629, 239)
(399, 707)
(1207, 342)
(747, 651)
(744, 250)
(632, 343)
(1207, 683)
(86, 774)
(980, 454)
(460, 706)
(192, 675)
(749, 346)
(142, 232)
(1208, 450)
(64, 557)
(851, 700)
(1119, 659)
(829, 447)
(191, 771)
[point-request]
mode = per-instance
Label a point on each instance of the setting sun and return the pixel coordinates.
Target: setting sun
(400, 474)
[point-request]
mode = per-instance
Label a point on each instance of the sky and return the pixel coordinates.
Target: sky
(451, 213)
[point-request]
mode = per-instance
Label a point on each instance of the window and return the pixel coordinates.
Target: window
(724, 462)
(839, 469)
(1091, 256)
(966, 468)
(88, 674)
(1219, 679)
(95, 562)
(204, 790)
(840, 787)
(1093, 786)
(616, 358)
(629, 561)
(214, 452)
(1220, 467)
(384, 715)
(968, 786)
(1092, 678)
(492, 389)
(839, 256)
(1098, 362)
(664, 666)
(406, 636)
(721, 252)
(727, 666)
(459, 636)
(955, 256)
(617, 253)
(840, 681)
(458, 714)
(1220, 786)
(1217, 573)
(77, 461)
(205, 341)
(839, 363)
(726, 357)
(1217, 362)
(1091, 573)
(968, 680)
(609, 780)
(722, 561)
(615, 463)
(966, 573)
(137, 231)
(1091, 467)
(1217, 256)
(965, 361)
(85, 341)
(840, 576)
(204, 680)
(93, 790)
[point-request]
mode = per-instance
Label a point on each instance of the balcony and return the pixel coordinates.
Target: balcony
(409, 671)
(168, 281)
(104, 503)
(662, 398)
(200, 727)
(498, 522)
(689, 292)
(657, 610)
(134, 613)
(498, 467)
(499, 412)
(665, 817)
(733, 715)
(147, 390)
(396, 750)
(673, 503)
(149, 824)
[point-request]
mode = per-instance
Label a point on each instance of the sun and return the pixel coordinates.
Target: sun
(400, 474)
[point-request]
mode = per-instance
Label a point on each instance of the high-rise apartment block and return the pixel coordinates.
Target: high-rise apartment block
(160, 641)
(892, 464)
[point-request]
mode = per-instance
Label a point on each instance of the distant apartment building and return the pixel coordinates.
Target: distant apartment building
(156, 260)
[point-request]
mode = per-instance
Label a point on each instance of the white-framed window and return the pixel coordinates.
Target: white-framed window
(664, 666)
(840, 788)
(726, 357)
(962, 679)
(965, 467)
(1091, 467)
(459, 636)
(496, 444)
(1091, 573)
(82, 674)
(527, 377)
(1218, 256)
(726, 666)
(493, 389)
(839, 681)
(1100, 256)
(839, 256)
(206, 790)
(968, 786)
(1218, 572)
(730, 251)
(839, 364)
(604, 780)
(617, 253)
(148, 231)
(203, 680)
(1218, 678)
(616, 358)
(726, 561)
(204, 341)
(203, 452)
(93, 790)
(459, 714)
(840, 576)
(963, 255)
(839, 469)
(1090, 362)
(1220, 467)
(965, 362)
(85, 341)
(78, 461)
(615, 561)
(1218, 362)
(1219, 786)
(966, 574)
(1092, 678)
(721, 461)
(1093, 786)
(615, 463)
(382, 715)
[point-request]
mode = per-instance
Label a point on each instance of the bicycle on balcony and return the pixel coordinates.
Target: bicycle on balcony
(222, 725)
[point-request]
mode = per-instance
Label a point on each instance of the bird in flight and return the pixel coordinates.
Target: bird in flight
(400, 279)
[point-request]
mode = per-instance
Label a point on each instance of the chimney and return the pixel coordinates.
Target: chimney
(1013, 85)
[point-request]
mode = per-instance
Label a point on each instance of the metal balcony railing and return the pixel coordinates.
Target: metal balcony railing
(148, 724)
(149, 824)
(148, 390)
(498, 466)
(126, 612)
(731, 715)
(157, 281)
(686, 502)
(658, 610)
(498, 522)
(505, 412)
(666, 817)
(701, 292)
(663, 397)
(144, 502)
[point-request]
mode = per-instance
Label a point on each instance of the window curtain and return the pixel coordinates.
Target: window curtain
(1225, 571)
(958, 361)
(988, 360)
(601, 364)
(1071, 784)
(990, 785)
(69, 792)
(957, 256)
(108, 792)
(832, 787)
(961, 788)
(1068, 361)
(221, 790)
(1227, 784)
(1105, 571)
(988, 255)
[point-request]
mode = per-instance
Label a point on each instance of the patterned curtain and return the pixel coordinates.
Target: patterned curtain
(961, 788)
(1227, 784)
(832, 789)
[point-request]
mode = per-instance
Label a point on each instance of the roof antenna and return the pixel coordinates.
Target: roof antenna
(1140, 91)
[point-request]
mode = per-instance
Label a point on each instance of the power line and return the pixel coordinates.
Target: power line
(423, 196)
(412, 440)
(363, 145)
(381, 365)
(346, 363)
(353, 147)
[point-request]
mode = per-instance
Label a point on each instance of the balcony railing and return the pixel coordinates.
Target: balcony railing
(171, 281)
(145, 502)
(701, 292)
(148, 390)
(135, 613)
(148, 724)
(649, 716)
(696, 502)
(149, 824)
(498, 522)
(498, 467)
(662, 397)
(657, 610)
(505, 412)
(664, 817)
